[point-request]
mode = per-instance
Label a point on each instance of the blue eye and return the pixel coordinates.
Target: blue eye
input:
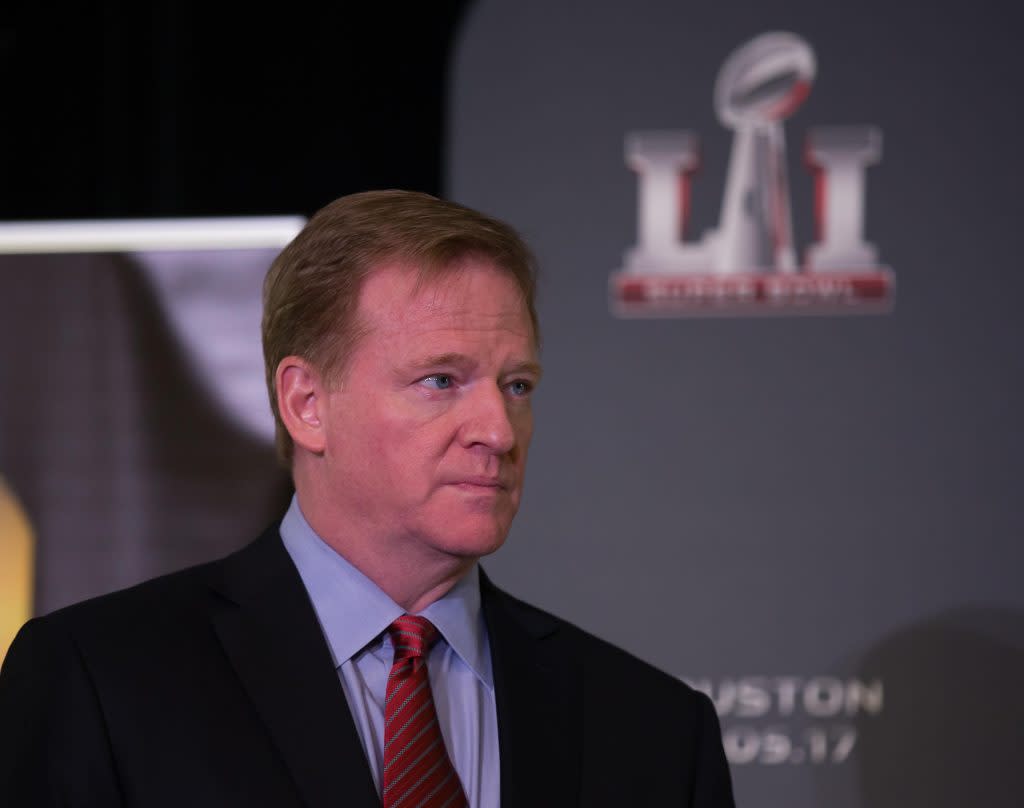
(439, 381)
(520, 388)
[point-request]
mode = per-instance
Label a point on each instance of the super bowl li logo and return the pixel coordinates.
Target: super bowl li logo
(748, 264)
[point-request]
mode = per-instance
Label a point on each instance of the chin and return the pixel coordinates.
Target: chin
(471, 541)
(467, 527)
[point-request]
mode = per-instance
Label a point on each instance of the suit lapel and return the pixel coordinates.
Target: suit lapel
(538, 702)
(273, 640)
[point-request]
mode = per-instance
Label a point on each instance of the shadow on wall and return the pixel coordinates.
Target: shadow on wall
(952, 731)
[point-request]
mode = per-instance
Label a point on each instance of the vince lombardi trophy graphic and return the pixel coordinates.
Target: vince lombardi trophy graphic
(760, 85)
(748, 264)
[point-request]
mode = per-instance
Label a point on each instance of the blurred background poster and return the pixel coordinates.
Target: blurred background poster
(136, 433)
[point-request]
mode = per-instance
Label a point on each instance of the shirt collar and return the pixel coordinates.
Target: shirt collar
(460, 620)
(353, 611)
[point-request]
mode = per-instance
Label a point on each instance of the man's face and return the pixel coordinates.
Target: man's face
(428, 426)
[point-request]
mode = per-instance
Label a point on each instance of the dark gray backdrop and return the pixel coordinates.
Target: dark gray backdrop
(818, 519)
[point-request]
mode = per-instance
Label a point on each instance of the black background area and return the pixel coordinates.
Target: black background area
(119, 109)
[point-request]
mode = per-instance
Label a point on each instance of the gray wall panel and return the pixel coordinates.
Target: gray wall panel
(804, 496)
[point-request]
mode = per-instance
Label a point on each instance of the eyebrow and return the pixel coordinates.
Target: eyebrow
(458, 359)
(528, 367)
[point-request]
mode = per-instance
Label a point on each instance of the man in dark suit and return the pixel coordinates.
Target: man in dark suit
(355, 654)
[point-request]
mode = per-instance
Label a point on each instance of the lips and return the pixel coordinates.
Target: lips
(478, 482)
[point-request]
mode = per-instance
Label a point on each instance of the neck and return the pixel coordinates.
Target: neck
(412, 575)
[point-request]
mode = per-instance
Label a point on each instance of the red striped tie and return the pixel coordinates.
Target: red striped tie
(417, 770)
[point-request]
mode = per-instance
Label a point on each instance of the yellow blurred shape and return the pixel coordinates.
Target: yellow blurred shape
(17, 546)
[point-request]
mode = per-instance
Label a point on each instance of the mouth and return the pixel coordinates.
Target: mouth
(479, 484)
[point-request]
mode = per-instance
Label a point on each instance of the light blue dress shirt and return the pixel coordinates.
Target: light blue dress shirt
(354, 613)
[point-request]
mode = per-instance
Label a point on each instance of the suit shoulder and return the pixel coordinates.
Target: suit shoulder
(666, 719)
(164, 592)
(164, 608)
(170, 608)
(590, 650)
(183, 590)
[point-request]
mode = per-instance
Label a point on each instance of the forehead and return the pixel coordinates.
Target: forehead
(474, 295)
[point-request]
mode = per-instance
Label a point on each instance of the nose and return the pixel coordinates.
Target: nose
(486, 422)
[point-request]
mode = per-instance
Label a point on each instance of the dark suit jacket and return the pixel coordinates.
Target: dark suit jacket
(214, 687)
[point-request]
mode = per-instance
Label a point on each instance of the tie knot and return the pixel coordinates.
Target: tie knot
(412, 636)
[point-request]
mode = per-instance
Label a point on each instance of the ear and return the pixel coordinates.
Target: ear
(300, 399)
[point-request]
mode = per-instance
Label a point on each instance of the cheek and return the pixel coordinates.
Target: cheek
(414, 450)
(371, 443)
(522, 422)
